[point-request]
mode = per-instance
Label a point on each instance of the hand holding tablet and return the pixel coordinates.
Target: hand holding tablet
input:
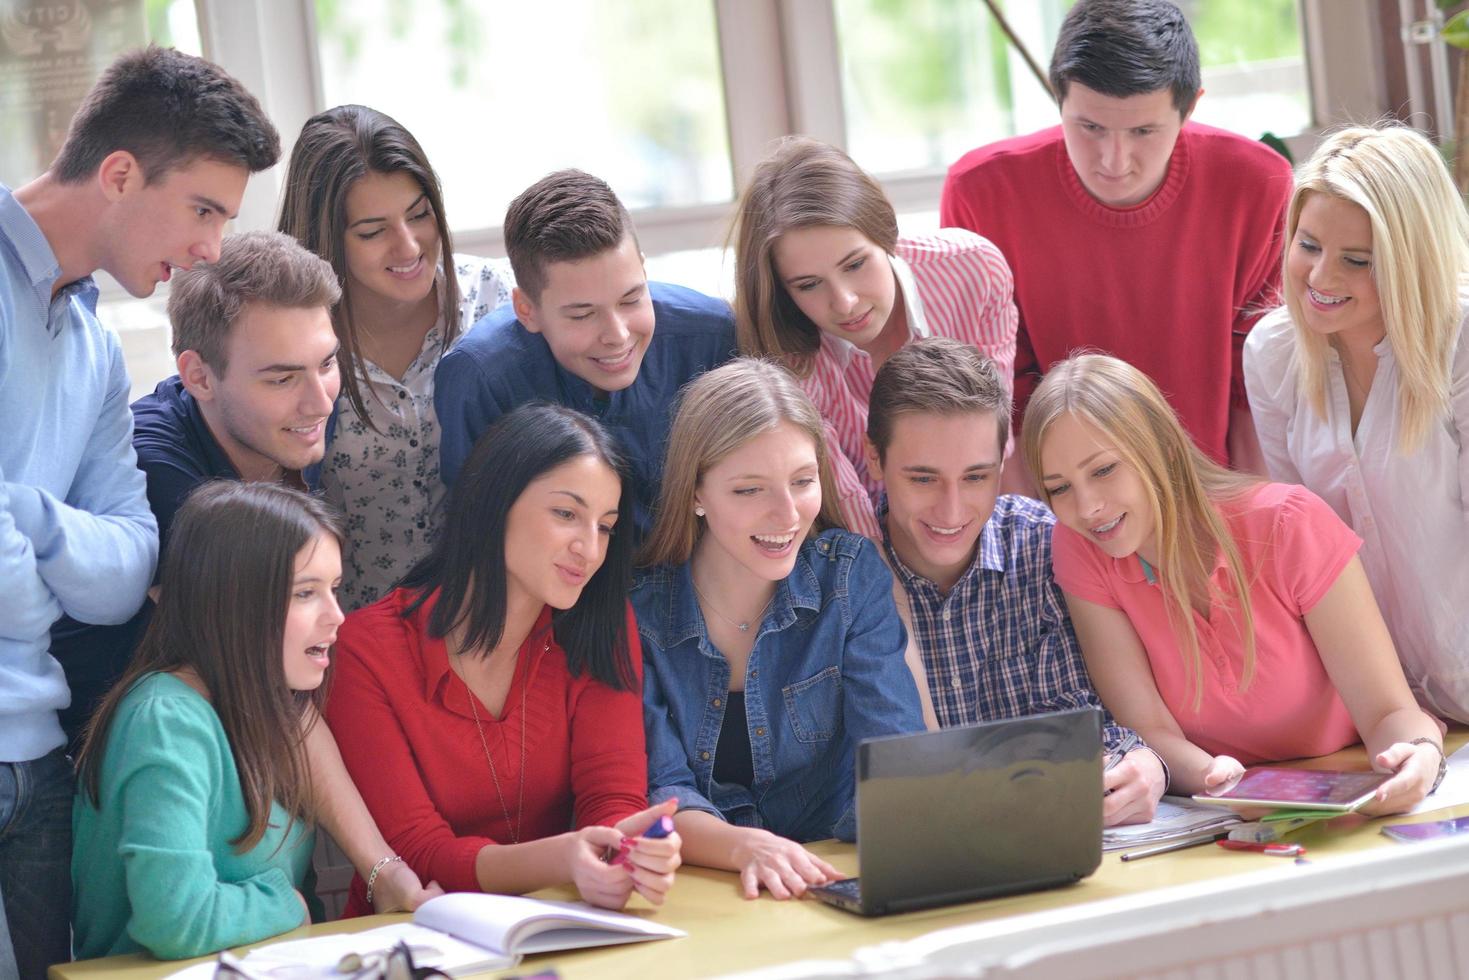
(1302, 789)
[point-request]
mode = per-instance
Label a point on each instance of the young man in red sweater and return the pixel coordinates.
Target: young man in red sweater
(1130, 229)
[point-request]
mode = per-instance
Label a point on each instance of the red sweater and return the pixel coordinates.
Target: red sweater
(402, 718)
(1171, 286)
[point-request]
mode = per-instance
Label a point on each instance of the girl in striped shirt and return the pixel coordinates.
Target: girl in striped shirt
(824, 284)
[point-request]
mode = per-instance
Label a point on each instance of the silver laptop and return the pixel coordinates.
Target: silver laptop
(966, 813)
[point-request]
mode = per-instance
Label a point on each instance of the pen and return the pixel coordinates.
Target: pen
(1177, 845)
(661, 827)
(1125, 746)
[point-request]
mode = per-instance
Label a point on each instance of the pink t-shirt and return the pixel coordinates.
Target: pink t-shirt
(1293, 548)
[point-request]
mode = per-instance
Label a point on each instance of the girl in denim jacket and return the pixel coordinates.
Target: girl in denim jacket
(771, 642)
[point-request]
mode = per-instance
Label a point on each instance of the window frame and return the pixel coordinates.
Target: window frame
(781, 71)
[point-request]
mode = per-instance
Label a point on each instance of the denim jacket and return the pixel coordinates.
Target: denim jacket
(826, 671)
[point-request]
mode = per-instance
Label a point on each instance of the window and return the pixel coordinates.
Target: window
(501, 94)
(51, 53)
(923, 81)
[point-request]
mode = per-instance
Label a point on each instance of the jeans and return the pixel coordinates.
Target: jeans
(35, 863)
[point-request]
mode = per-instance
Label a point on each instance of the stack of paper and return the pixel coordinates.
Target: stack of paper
(1177, 818)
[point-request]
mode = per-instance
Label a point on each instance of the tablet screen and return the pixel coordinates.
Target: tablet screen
(1308, 788)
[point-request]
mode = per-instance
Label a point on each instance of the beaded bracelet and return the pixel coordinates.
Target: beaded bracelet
(372, 876)
(1443, 762)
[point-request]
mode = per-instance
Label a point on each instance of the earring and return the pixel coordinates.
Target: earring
(698, 511)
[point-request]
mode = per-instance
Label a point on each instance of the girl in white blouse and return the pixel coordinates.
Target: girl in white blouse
(361, 194)
(1359, 384)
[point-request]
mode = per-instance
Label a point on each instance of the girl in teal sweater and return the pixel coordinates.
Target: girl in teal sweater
(193, 826)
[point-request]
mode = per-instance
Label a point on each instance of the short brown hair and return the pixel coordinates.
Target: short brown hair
(263, 267)
(167, 109)
(804, 183)
(563, 217)
(938, 375)
(1122, 48)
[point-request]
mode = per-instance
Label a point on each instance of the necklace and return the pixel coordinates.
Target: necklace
(494, 775)
(742, 627)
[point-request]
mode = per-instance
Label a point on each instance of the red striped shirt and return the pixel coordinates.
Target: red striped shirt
(955, 284)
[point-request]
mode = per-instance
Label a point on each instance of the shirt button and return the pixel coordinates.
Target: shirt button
(760, 732)
(704, 756)
(947, 611)
(955, 683)
(420, 525)
(402, 393)
(823, 546)
(754, 674)
(716, 702)
(413, 443)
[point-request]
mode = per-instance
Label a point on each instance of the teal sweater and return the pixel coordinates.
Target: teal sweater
(152, 868)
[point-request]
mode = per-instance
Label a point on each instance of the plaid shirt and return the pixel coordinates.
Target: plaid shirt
(1000, 644)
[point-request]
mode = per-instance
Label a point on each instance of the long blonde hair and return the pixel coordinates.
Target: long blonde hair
(1183, 486)
(1420, 254)
(719, 412)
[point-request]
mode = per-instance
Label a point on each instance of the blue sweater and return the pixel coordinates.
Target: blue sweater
(76, 535)
(500, 365)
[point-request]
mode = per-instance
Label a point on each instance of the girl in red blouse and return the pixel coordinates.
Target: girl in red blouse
(490, 707)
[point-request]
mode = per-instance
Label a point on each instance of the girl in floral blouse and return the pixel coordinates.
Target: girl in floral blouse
(361, 194)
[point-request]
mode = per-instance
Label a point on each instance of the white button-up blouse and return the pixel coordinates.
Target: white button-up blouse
(1409, 510)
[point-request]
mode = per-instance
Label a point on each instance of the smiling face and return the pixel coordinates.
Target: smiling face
(1120, 146)
(759, 503)
(839, 278)
(268, 410)
(1095, 491)
(1330, 270)
(392, 240)
(558, 529)
(312, 615)
(596, 315)
(941, 474)
(175, 222)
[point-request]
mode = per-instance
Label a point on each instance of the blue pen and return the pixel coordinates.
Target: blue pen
(662, 827)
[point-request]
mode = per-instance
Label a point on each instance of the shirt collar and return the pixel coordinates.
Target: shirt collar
(433, 652)
(36, 256)
(912, 299)
(989, 556)
(798, 590)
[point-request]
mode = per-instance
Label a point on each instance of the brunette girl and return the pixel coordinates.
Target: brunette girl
(491, 702)
(361, 194)
(206, 766)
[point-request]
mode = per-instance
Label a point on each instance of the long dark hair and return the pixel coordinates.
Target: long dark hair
(225, 587)
(467, 563)
(335, 149)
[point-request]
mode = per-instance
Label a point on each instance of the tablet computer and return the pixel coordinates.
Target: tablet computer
(1303, 789)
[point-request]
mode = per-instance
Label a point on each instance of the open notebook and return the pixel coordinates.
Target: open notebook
(460, 933)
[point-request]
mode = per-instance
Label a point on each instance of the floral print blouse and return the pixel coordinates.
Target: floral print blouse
(387, 482)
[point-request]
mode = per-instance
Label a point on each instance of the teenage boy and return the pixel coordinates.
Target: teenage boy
(1129, 228)
(257, 378)
(579, 330)
(990, 622)
(154, 164)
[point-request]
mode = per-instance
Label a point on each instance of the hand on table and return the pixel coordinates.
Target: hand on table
(781, 866)
(1133, 788)
(1415, 767)
(398, 889)
(1222, 774)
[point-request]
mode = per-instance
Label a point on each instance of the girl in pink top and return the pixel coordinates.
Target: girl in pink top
(1226, 620)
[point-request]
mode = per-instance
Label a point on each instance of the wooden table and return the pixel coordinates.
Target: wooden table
(729, 934)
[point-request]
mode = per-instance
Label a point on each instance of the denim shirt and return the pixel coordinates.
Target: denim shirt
(826, 671)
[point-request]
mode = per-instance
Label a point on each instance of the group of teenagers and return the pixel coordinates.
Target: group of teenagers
(484, 567)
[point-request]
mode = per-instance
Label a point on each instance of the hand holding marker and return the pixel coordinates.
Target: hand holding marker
(661, 827)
